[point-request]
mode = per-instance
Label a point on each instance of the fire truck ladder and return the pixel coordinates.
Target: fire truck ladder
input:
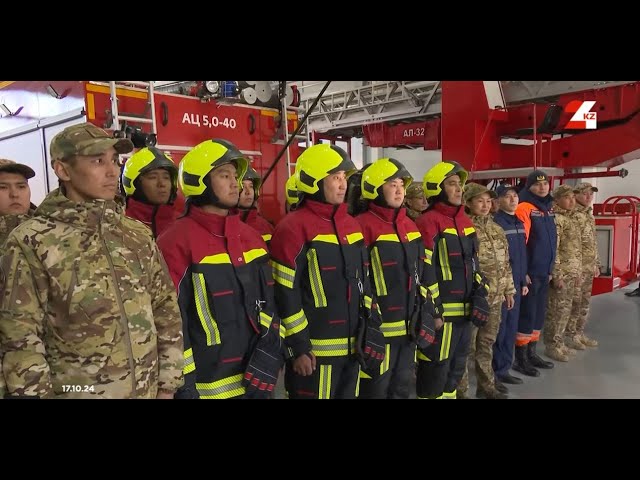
(117, 116)
(376, 102)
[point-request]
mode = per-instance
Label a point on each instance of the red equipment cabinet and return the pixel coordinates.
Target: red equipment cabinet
(617, 223)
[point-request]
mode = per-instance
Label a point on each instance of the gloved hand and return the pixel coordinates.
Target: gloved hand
(422, 328)
(479, 310)
(370, 346)
(267, 358)
(186, 392)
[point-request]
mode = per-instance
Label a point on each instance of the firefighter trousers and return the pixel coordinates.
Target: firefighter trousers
(396, 371)
(439, 376)
(334, 377)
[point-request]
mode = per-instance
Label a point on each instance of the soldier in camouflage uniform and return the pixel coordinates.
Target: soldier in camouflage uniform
(88, 309)
(590, 265)
(15, 196)
(415, 201)
(564, 291)
(15, 207)
(493, 256)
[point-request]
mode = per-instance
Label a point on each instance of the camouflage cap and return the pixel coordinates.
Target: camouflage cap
(414, 190)
(584, 186)
(562, 190)
(85, 139)
(10, 166)
(472, 190)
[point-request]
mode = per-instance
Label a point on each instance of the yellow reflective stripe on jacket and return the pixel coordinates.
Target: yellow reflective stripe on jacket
(266, 237)
(332, 347)
(388, 237)
(218, 258)
(354, 237)
(378, 275)
(326, 238)
(413, 235)
(265, 319)
(423, 291)
(456, 309)
(452, 231)
(282, 274)
(295, 323)
(317, 289)
(367, 302)
(435, 290)
(189, 364)
(394, 329)
(226, 388)
(443, 254)
(251, 255)
(209, 324)
(427, 256)
(324, 388)
(469, 230)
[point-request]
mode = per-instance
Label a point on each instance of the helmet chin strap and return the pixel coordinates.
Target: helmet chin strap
(319, 195)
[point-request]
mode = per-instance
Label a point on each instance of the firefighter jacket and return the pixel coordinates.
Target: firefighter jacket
(396, 254)
(569, 250)
(88, 309)
(587, 224)
(493, 256)
(256, 221)
(156, 217)
(540, 230)
(451, 270)
(514, 231)
(320, 265)
(221, 271)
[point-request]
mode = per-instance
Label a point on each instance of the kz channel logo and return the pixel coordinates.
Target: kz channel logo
(583, 118)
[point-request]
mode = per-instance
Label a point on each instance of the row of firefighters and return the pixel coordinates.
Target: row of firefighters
(356, 292)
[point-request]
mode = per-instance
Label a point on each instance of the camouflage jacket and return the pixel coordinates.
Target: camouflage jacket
(88, 309)
(493, 255)
(569, 257)
(9, 222)
(588, 236)
(412, 214)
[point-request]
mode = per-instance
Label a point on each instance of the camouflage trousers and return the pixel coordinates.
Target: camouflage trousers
(482, 340)
(3, 385)
(580, 310)
(559, 308)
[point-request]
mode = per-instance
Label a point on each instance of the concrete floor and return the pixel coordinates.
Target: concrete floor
(612, 370)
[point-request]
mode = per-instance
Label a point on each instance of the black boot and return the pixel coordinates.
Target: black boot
(535, 360)
(501, 387)
(521, 363)
(510, 379)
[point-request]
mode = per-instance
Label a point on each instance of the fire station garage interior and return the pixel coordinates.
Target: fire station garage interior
(506, 136)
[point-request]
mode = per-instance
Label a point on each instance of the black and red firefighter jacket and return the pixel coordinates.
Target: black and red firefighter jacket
(157, 217)
(220, 267)
(396, 254)
(451, 271)
(256, 221)
(319, 263)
